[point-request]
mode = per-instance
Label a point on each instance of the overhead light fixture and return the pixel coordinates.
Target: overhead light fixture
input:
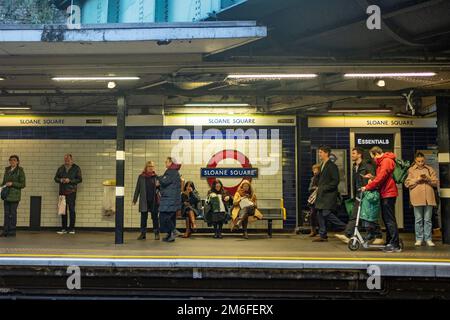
(360, 111)
(272, 76)
(111, 85)
(216, 105)
(94, 78)
(15, 108)
(381, 83)
(390, 75)
(1, 79)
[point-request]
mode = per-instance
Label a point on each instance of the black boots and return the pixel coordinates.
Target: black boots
(218, 231)
(156, 234)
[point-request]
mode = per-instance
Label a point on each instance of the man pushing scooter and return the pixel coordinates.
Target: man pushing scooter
(385, 184)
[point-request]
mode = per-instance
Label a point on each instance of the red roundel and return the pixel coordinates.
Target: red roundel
(229, 154)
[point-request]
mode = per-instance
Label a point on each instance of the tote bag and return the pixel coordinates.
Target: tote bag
(61, 205)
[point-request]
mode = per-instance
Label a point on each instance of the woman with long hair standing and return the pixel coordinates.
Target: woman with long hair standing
(147, 190)
(13, 183)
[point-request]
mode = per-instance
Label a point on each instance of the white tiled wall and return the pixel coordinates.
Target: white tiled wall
(41, 158)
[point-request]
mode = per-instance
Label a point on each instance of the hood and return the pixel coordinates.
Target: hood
(175, 166)
(386, 155)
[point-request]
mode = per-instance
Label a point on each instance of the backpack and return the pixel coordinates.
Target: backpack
(401, 170)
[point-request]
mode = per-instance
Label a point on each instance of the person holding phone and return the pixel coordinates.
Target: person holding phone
(421, 181)
(363, 171)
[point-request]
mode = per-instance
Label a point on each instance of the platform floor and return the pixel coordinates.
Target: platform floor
(87, 244)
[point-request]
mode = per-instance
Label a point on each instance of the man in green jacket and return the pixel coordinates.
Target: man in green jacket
(68, 176)
(13, 182)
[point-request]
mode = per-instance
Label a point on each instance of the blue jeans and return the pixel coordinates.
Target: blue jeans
(325, 216)
(423, 215)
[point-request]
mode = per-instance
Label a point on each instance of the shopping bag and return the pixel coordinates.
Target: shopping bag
(62, 205)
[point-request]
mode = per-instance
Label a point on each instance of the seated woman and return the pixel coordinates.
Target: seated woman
(189, 207)
(244, 207)
(219, 202)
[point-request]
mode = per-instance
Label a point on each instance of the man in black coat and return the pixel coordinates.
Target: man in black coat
(327, 194)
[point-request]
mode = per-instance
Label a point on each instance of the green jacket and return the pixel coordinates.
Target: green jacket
(17, 177)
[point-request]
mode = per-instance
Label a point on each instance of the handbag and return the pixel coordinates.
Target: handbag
(4, 192)
(312, 197)
(62, 205)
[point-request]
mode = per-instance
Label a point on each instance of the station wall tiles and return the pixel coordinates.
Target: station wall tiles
(41, 151)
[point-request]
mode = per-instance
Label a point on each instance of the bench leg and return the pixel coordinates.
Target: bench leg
(269, 228)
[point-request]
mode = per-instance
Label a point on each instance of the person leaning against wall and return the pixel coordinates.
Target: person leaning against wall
(147, 190)
(421, 181)
(13, 183)
(170, 186)
(68, 176)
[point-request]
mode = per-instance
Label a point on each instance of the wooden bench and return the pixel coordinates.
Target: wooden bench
(272, 209)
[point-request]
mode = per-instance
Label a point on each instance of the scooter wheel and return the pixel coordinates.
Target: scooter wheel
(353, 245)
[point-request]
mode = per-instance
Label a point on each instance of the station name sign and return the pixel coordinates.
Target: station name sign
(229, 172)
(229, 120)
(370, 122)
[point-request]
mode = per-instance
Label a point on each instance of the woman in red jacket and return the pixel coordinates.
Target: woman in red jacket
(385, 184)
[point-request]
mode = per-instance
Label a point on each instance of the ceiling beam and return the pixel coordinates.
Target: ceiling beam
(241, 93)
(412, 6)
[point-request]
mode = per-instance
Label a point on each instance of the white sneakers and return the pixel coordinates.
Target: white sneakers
(429, 243)
(342, 237)
(61, 232)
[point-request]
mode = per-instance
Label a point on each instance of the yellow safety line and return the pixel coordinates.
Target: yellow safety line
(225, 257)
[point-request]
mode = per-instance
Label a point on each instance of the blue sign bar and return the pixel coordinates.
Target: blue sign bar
(229, 172)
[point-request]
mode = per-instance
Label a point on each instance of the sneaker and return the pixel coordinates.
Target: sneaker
(72, 231)
(320, 240)
(63, 231)
(343, 238)
(142, 236)
(418, 243)
(378, 241)
(391, 249)
(170, 237)
(177, 233)
(430, 243)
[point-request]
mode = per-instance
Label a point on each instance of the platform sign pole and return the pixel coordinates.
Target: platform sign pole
(443, 127)
(120, 168)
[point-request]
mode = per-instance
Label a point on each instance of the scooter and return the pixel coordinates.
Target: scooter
(357, 241)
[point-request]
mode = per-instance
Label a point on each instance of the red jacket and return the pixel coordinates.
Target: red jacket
(384, 181)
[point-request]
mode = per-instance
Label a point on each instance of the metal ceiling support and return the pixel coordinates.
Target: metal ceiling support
(348, 24)
(241, 93)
